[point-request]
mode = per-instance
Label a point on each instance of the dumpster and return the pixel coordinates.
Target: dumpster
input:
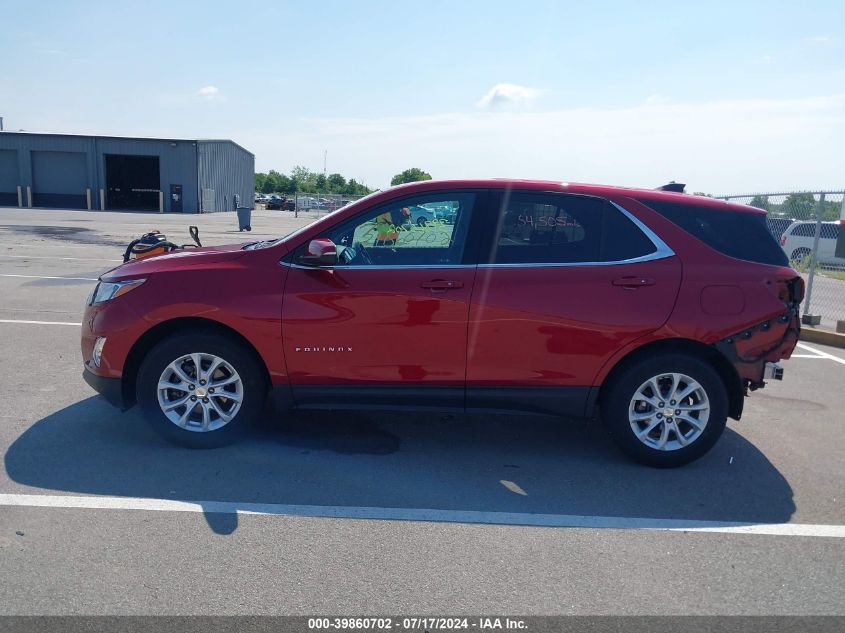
(244, 218)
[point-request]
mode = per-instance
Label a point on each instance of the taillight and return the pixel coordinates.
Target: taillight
(782, 240)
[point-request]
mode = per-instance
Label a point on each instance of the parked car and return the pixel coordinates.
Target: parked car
(655, 312)
(778, 225)
(277, 203)
(420, 215)
(797, 242)
(303, 203)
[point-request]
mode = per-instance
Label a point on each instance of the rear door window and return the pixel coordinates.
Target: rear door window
(733, 233)
(564, 229)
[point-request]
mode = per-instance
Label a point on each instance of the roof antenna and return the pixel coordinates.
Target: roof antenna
(677, 187)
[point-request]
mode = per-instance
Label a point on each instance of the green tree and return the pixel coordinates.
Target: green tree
(300, 173)
(831, 210)
(413, 174)
(801, 206)
(303, 180)
(351, 187)
(274, 182)
(760, 202)
(336, 183)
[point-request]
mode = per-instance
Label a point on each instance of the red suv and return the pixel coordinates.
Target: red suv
(653, 310)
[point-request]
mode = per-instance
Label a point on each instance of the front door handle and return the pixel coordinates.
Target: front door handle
(631, 283)
(442, 285)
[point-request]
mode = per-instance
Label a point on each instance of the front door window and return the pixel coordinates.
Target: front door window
(428, 230)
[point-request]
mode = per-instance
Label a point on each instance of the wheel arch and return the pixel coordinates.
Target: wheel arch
(727, 372)
(160, 331)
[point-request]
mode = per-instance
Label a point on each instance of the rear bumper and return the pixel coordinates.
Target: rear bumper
(110, 388)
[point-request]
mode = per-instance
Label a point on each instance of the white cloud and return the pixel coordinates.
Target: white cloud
(820, 39)
(504, 94)
(209, 93)
(717, 146)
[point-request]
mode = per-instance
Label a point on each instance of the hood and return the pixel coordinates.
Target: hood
(182, 258)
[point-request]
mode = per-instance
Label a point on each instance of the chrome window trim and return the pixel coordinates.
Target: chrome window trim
(378, 266)
(662, 250)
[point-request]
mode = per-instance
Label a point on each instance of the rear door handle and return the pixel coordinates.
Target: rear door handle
(631, 283)
(442, 285)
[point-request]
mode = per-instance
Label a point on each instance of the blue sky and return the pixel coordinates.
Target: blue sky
(729, 97)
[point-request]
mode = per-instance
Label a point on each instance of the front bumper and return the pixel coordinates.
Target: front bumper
(110, 388)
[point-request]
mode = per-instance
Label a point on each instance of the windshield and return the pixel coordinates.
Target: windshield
(325, 217)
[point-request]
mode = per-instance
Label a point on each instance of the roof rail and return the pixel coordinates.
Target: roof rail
(677, 187)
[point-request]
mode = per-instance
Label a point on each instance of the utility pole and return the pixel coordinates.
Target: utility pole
(325, 155)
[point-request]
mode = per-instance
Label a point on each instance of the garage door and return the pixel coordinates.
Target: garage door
(9, 178)
(59, 180)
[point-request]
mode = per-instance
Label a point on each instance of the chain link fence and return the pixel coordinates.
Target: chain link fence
(809, 225)
(307, 205)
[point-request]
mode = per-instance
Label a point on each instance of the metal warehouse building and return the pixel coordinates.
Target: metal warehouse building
(120, 173)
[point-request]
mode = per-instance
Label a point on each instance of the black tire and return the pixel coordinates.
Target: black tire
(421, 222)
(617, 401)
(799, 255)
(244, 362)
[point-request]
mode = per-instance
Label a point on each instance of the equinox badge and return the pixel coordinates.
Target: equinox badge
(323, 349)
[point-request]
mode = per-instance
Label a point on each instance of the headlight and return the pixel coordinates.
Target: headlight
(106, 290)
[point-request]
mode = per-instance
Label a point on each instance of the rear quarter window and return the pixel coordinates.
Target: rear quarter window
(733, 233)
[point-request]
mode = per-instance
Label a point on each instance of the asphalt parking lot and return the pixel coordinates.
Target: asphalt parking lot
(384, 514)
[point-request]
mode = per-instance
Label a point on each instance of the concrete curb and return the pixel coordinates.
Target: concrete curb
(823, 337)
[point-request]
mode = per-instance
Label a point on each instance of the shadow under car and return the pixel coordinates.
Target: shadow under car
(357, 463)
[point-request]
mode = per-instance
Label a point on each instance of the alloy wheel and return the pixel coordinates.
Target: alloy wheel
(200, 392)
(669, 411)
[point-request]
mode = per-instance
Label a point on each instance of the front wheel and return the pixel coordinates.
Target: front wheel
(200, 390)
(667, 410)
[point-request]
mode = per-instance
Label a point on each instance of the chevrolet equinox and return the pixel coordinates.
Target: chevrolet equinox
(652, 310)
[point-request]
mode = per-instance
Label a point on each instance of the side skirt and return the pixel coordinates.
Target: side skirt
(570, 402)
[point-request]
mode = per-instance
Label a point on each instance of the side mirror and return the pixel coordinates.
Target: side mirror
(320, 252)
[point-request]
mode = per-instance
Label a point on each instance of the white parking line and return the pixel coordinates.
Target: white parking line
(821, 353)
(44, 245)
(513, 487)
(73, 259)
(39, 322)
(421, 514)
(45, 277)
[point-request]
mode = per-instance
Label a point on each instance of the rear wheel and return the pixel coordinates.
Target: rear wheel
(200, 390)
(799, 255)
(667, 410)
